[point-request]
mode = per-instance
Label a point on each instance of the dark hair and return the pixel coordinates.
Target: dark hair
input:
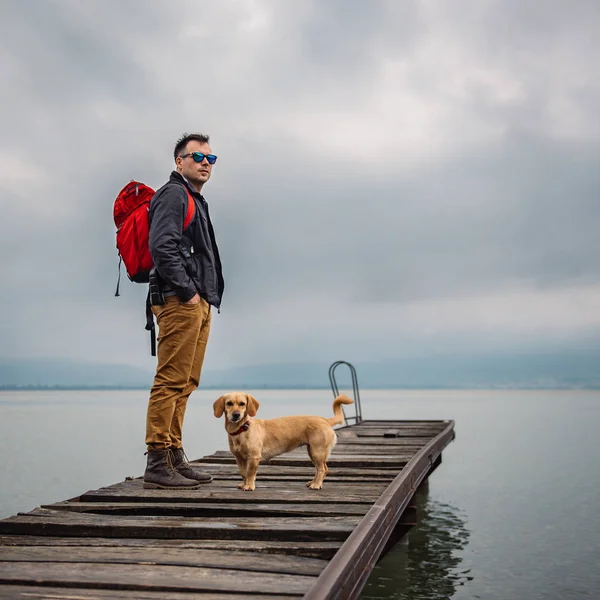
(182, 142)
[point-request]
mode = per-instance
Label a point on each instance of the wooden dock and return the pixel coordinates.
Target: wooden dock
(281, 541)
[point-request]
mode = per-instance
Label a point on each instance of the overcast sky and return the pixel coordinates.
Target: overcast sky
(394, 178)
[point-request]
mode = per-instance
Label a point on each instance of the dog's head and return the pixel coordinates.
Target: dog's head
(236, 406)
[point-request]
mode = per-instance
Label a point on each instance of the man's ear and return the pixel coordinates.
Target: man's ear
(252, 405)
(219, 407)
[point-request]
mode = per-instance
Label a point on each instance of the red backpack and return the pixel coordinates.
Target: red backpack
(133, 232)
(131, 218)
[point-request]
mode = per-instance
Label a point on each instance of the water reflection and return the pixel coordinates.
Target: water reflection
(428, 566)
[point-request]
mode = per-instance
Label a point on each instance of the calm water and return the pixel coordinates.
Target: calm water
(513, 512)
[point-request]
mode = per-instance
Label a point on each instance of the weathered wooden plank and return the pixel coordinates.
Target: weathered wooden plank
(217, 559)
(277, 484)
(230, 487)
(336, 455)
(392, 433)
(402, 423)
(209, 510)
(369, 454)
(398, 461)
(267, 468)
(372, 451)
(30, 592)
(351, 439)
(227, 472)
(339, 488)
(431, 427)
(132, 491)
(151, 577)
(303, 478)
(175, 521)
(46, 522)
(402, 432)
(324, 550)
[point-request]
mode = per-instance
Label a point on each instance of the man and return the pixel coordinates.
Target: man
(187, 273)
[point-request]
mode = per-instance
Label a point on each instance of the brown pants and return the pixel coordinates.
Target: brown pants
(182, 337)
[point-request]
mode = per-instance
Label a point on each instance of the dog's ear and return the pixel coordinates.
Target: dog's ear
(252, 405)
(219, 407)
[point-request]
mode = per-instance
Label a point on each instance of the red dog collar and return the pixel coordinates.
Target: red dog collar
(243, 428)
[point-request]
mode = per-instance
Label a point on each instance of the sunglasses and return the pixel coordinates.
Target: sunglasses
(199, 157)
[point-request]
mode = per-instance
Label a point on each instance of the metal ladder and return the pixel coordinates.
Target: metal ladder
(357, 418)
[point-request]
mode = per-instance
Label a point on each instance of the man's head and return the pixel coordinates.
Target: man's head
(194, 158)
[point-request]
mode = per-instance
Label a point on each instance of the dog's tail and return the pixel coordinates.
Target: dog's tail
(338, 419)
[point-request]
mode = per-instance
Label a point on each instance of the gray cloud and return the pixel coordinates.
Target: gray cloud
(393, 177)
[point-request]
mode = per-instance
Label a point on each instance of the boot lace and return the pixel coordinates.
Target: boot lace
(183, 460)
(170, 463)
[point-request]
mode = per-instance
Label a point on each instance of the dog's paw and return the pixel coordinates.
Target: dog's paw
(247, 488)
(240, 486)
(313, 486)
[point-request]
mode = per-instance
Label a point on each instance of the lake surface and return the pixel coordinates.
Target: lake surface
(513, 512)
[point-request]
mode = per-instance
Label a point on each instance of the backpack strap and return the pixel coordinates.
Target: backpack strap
(191, 210)
(150, 325)
(189, 216)
(119, 279)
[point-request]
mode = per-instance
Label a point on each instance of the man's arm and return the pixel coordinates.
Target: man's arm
(166, 227)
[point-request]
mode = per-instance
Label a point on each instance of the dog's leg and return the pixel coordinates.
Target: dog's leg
(241, 464)
(318, 458)
(319, 453)
(251, 469)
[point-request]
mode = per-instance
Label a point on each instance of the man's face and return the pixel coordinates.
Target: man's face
(197, 173)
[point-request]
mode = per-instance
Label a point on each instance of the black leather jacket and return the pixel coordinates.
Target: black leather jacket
(187, 261)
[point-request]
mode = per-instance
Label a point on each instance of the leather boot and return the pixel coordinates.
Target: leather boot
(183, 467)
(160, 473)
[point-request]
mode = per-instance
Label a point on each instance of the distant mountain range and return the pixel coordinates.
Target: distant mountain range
(575, 369)
(51, 372)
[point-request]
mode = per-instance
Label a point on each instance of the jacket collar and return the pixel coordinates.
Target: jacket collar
(177, 177)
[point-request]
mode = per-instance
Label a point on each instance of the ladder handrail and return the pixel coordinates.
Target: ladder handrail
(334, 388)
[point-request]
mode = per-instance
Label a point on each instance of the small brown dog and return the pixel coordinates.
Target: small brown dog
(253, 440)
